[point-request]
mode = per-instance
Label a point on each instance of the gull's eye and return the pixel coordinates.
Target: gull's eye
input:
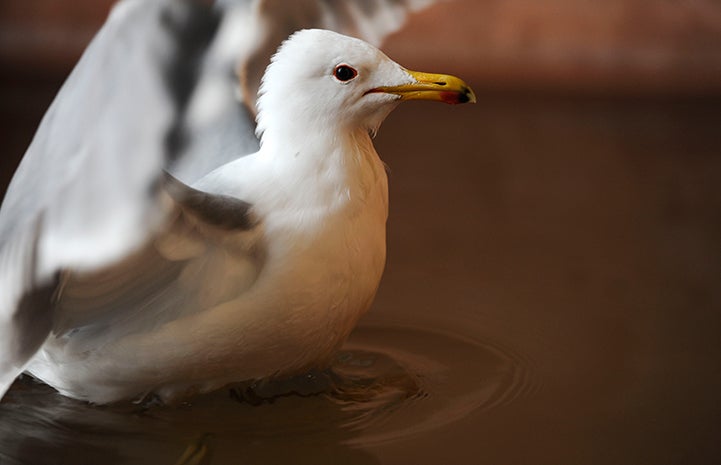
(344, 73)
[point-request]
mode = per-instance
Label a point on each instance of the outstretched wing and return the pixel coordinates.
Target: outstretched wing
(87, 191)
(207, 253)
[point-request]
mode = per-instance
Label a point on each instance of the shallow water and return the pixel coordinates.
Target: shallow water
(380, 390)
(552, 295)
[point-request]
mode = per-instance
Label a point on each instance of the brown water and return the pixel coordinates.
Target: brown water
(552, 296)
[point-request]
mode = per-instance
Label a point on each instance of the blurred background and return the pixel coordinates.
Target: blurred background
(616, 48)
(572, 216)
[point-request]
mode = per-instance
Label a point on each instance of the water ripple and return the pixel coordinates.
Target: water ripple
(387, 384)
(444, 377)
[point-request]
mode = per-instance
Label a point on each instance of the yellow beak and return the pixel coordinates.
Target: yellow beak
(428, 86)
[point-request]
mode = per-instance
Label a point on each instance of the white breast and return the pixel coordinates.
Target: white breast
(323, 261)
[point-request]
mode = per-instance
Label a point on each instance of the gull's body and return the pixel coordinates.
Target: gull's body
(294, 286)
(260, 269)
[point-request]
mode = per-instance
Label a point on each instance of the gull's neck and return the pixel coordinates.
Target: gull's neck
(328, 166)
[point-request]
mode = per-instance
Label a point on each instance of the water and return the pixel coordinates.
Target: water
(552, 295)
(378, 391)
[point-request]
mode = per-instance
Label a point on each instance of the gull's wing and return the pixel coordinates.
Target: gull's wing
(206, 254)
(87, 191)
(209, 252)
(222, 110)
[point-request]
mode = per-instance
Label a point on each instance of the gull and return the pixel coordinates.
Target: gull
(121, 280)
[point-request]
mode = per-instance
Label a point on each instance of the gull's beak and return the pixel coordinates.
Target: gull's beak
(437, 87)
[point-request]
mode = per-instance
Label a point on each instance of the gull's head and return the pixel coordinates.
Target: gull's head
(322, 80)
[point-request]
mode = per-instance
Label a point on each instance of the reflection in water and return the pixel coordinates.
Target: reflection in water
(198, 452)
(380, 389)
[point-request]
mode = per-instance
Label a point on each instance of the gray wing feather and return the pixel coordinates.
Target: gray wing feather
(216, 210)
(103, 144)
(182, 269)
(25, 304)
(86, 192)
(221, 125)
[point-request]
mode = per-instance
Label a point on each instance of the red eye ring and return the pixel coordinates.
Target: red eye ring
(344, 73)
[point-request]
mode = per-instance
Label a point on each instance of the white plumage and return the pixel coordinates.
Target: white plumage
(260, 269)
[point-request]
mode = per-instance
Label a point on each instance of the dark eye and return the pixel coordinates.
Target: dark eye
(344, 73)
